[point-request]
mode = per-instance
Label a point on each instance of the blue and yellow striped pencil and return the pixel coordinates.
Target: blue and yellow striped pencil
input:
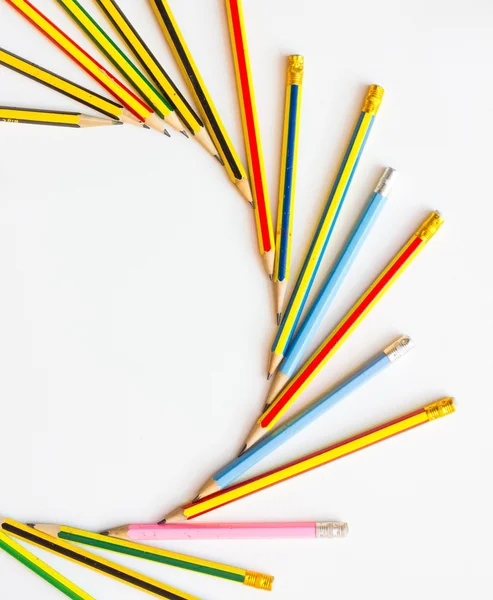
(287, 184)
(326, 225)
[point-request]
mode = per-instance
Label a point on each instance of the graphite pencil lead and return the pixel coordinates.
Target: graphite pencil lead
(167, 133)
(219, 159)
(145, 126)
(242, 450)
(269, 375)
(279, 318)
(184, 133)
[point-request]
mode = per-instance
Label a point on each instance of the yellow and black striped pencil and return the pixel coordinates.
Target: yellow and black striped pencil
(68, 88)
(156, 73)
(58, 118)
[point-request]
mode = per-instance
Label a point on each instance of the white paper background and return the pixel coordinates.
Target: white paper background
(135, 317)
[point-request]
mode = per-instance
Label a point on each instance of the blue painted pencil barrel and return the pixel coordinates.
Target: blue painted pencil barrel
(320, 306)
(278, 436)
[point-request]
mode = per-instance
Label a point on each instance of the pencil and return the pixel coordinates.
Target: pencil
(156, 73)
(10, 114)
(91, 561)
(118, 90)
(332, 284)
(191, 74)
(35, 564)
(122, 64)
(67, 88)
(293, 530)
(173, 559)
(326, 225)
(287, 183)
(278, 436)
(251, 134)
(311, 461)
(297, 384)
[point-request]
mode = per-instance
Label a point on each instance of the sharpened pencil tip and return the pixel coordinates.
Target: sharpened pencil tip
(30, 524)
(265, 407)
(278, 319)
(107, 532)
(269, 375)
(162, 522)
(252, 205)
(197, 497)
(219, 159)
(243, 450)
(166, 132)
(145, 126)
(185, 133)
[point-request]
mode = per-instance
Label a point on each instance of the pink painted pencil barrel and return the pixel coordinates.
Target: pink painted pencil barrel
(231, 531)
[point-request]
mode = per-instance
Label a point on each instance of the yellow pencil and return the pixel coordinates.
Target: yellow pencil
(57, 118)
(184, 59)
(287, 184)
(156, 72)
(251, 134)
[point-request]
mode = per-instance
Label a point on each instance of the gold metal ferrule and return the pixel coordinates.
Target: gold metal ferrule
(430, 226)
(439, 409)
(259, 580)
(373, 99)
(296, 69)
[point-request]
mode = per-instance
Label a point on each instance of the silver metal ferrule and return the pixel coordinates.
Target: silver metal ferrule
(386, 182)
(331, 529)
(399, 348)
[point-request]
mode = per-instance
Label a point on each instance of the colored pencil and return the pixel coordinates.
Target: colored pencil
(326, 225)
(332, 284)
(182, 561)
(35, 564)
(297, 384)
(67, 88)
(124, 95)
(232, 531)
(156, 73)
(278, 436)
(91, 561)
(287, 183)
(251, 134)
(191, 74)
(312, 461)
(122, 63)
(11, 114)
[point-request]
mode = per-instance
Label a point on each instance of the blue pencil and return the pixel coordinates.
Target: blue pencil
(235, 469)
(301, 340)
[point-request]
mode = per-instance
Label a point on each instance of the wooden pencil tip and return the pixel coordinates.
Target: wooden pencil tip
(107, 532)
(253, 206)
(243, 450)
(185, 133)
(269, 375)
(279, 319)
(197, 497)
(162, 522)
(219, 159)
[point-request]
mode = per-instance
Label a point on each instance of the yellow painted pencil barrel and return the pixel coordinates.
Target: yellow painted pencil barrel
(209, 112)
(56, 118)
(287, 183)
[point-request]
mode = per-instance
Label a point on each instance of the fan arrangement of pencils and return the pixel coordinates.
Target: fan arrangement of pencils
(153, 101)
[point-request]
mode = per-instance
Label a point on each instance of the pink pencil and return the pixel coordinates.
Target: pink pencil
(231, 531)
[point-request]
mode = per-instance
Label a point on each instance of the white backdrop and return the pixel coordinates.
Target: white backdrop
(135, 316)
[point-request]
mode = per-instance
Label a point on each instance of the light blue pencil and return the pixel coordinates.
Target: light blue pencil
(235, 469)
(320, 306)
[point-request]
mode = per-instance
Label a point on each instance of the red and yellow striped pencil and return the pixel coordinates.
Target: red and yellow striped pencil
(251, 132)
(367, 438)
